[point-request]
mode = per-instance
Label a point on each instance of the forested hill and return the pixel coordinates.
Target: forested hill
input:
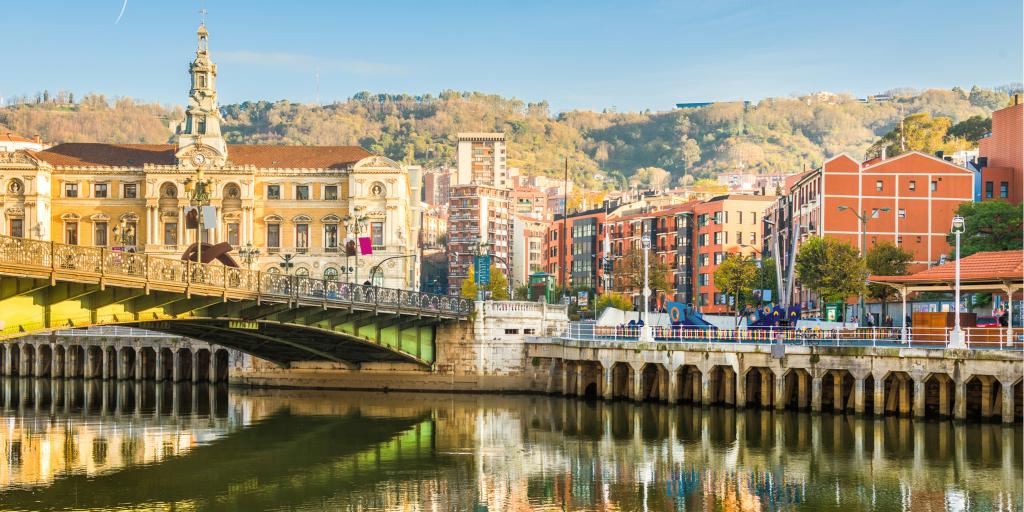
(773, 135)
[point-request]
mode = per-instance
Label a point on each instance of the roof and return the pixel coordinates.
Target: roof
(979, 267)
(13, 137)
(263, 156)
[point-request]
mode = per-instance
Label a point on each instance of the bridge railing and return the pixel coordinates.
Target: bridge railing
(101, 262)
(917, 337)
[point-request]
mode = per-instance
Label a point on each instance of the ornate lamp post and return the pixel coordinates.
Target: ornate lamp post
(645, 331)
(956, 337)
(198, 191)
(124, 236)
(353, 226)
(379, 267)
(249, 254)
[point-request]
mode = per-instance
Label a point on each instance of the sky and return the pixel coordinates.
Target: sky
(626, 55)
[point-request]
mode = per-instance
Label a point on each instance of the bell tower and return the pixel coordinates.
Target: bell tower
(199, 139)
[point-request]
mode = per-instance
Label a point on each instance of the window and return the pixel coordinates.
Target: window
(901, 213)
(71, 233)
(302, 192)
(702, 279)
(739, 237)
(130, 191)
(989, 189)
(878, 186)
(170, 233)
(1004, 190)
(274, 236)
(719, 257)
(511, 331)
(913, 185)
(233, 234)
(99, 238)
(71, 190)
(377, 233)
(934, 186)
(99, 190)
(740, 215)
(753, 238)
(718, 237)
(302, 237)
(331, 274)
(273, 191)
(201, 126)
(200, 81)
(17, 228)
(331, 193)
(753, 217)
(331, 237)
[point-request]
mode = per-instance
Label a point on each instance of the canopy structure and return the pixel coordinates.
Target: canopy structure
(984, 272)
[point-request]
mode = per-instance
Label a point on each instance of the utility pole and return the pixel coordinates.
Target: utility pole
(565, 220)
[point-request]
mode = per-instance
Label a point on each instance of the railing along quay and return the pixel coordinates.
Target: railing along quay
(988, 338)
(35, 258)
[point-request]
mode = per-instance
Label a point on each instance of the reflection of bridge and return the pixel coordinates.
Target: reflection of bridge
(281, 318)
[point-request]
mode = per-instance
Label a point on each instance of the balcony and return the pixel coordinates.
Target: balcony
(301, 250)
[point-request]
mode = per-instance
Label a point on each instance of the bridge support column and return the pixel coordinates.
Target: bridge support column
(943, 395)
(816, 394)
(637, 384)
(608, 381)
(740, 388)
(878, 396)
(106, 362)
(211, 374)
(23, 367)
(566, 368)
(580, 387)
(8, 361)
(729, 382)
(766, 388)
(40, 369)
(69, 362)
(673, 385)
(140, 368)
(195, 366)
(803, 399)
(858, 395)
(1008, 406)
(904, 400)
(837, 392)
(780, 392)
(960, 399)
(58, 363)
(706, 388)
(919, 395)
(176, 369)
(158, 370)
(986, 398)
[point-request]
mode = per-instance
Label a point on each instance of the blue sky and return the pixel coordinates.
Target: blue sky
(595, 54)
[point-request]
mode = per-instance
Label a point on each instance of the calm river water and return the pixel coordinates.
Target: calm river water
(127, 446)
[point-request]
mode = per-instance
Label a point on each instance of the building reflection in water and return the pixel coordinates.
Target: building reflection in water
(308, 450)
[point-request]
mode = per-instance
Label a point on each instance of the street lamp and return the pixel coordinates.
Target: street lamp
(198, 191)
(956, 338)
(124, 236)
(863, 218)
(379, 267)
(249, 254)
(645, 331)
(286, 262)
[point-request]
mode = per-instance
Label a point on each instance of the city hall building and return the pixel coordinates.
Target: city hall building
(304, 201)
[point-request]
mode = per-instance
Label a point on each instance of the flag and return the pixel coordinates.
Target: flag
(676, 311)
(365, 246)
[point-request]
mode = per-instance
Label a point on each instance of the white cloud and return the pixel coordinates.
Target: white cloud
(307, 62)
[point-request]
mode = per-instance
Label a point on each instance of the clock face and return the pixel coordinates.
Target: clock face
(199, 159)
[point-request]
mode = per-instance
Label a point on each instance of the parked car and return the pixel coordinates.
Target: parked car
(987, 321)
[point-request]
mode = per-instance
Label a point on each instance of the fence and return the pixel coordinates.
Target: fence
(920, 337)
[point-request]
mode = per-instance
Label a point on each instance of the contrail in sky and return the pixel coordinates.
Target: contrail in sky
(119, 16)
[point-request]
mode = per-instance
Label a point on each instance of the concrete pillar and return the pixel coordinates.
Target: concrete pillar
(705, 388)
(176, 369)
(23, 366)
(780, 393)
(140, 368)
(1008, 409)
(740, 389)
(56, 363)
(106, 362)
(943, 395)
(816, 394)
(195, 366)
(40, 369)
(580, 371)
(919, 396)
(904, 391)
(803, 394)
(566, 368)
(695, 390)
(211, 374)
(158, 368)
(837, 392)
(729, 382)
(878, 395)
(858, 395)
(608, 378)
(8, 362)
(673, 385)
(986, 398)
(766, 387)
(637, 391)
(175, 399)
(960, 400)
(88, 366)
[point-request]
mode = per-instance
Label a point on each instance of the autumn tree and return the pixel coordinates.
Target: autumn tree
(831, 268)
(612, 300)
(498, 285)
(468, 288)
(989, 226)
(886, 259)
(918, 132)
(735, 277)
(629, 275)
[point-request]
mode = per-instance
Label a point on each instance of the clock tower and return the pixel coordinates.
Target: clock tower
(199, 139)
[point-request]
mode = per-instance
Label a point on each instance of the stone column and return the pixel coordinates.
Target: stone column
(879, 397)
(637, 391)
(741, 389)
(766, 388)
(608, 378)
(986, 398)
(695, 390)
(580, 387)
(140, 367)
(158, 369)
(105, 362)
(673, 385)
(181, 227)
(919, 396)
(1008, 409)
(566, 368)
(943, 395)
(816, 394)
(8, 359)
(69, 362)
(212, 373)
(780, 393)
(904, 384)
(858, 395)
(705, 388)
(960, 400)
(40, 369)
(729, 383)
(176, 372)
(803, 394)
(837, 392)
(24, 369)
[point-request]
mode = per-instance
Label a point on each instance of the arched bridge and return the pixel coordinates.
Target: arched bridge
(282, 318)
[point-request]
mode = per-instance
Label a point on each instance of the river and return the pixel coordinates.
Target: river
(94, 445)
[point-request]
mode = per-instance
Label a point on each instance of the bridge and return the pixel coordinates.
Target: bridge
(47, 286)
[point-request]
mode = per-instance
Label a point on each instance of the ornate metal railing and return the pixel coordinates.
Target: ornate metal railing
(101, 262)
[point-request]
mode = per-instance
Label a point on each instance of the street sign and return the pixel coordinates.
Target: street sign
(249, 326)
(482, 269)
(582, 298)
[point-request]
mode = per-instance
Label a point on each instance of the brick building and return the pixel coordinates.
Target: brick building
(477, 215)
(1001, 155)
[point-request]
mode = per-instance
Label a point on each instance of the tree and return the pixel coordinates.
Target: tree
(735, 277)
(469, 289)
(629, 276)
(918, 132)
(612, 300)
(651, 178)
(689, 153)
(498, 285)
(990, 226)
(971, 129)
(886, 259)
(830, 268)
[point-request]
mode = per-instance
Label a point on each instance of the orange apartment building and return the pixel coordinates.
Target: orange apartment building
(1001, 156)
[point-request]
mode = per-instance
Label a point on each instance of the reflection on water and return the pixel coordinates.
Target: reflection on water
(109, 445)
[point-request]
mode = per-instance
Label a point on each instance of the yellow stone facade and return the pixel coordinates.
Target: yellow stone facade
(301, 200)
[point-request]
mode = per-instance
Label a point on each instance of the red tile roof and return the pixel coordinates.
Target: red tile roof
(263, 156)
(13, 137)
(978, 267)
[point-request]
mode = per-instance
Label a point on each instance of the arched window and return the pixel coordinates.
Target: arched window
(302, 272)
(331, 274)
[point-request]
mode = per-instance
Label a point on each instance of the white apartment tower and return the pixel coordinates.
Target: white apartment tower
(481, 159)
